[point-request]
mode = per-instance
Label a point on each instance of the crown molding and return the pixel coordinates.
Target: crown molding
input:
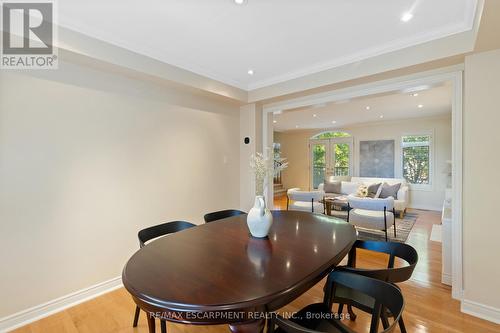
(73, 42)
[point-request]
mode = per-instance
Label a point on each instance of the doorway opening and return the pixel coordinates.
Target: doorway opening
(413, 86)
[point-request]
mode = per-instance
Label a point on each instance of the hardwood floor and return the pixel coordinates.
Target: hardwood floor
(429, 307)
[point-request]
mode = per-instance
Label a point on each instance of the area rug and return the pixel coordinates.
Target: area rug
(403, 228)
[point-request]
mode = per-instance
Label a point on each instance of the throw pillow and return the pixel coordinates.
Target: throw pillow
(332, 187)
(373, 189)
(389, 191)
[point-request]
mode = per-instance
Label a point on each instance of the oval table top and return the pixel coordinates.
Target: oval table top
(218, 266)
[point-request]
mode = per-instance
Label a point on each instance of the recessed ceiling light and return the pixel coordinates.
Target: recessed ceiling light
(406, 17)
(315, 115)
(420, 106)
(250, 72)
(414, 94)
(381, 116)
(275, 121)
(368, 108)
(334, 121)
(240, 2)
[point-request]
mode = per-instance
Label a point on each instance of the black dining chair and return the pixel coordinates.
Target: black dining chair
(153, 232)
(316, 318)
(210, 217)
(388, 274)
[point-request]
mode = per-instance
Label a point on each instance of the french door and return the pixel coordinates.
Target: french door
(330, 157)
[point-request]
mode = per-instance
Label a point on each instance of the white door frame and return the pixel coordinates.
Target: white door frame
(453, 74)
(330, 155)
(328, 158)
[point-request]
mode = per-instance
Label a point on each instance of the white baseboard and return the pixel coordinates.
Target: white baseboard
(437, 208)
(446, 279)
(46, 309)
(481, 311)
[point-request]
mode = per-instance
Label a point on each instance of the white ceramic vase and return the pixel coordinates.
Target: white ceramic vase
(259, 219)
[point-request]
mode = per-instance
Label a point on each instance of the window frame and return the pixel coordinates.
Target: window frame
(419, 187)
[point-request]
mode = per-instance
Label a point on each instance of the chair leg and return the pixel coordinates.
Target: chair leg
(163, 325)
(394, 214)
(151, 323)
(271, 323)
(402, 327)
(385, 222)
(341, 308)
(352, 315)
(383, 318)
(136, 316)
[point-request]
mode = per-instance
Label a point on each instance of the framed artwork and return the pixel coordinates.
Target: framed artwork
(376, 158)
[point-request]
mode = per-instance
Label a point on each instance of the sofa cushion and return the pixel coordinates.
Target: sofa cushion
(373, 190)
(332, 186)
(315, 207)
(370, 219)
(371, 180)
(349, 187)
(389, 190)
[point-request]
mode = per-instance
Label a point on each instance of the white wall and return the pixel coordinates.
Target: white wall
(87, 158)
(248, 128)
(480, 185)
(294, 146)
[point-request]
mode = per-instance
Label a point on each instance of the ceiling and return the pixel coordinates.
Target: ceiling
(435, 101)
(278, 39)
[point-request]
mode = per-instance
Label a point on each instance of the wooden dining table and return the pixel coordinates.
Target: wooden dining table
(217, 273)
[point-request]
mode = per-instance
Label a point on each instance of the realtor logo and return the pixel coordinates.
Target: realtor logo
(28, 32)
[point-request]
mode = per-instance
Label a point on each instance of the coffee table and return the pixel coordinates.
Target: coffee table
(339, 203)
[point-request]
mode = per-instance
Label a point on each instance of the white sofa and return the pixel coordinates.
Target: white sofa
(350, 188)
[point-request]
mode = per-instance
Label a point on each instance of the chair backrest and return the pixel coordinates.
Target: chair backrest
(375, 204)
(295, 194)
(384, 295)
(394, 250)
(210, 217)
(162, 229)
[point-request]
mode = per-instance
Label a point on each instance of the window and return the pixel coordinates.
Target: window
(417, 159)
(329, 135)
